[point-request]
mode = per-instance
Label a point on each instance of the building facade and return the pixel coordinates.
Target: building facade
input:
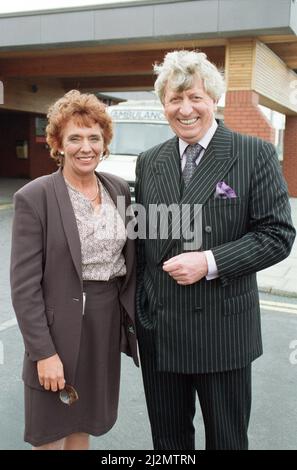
(111, 47)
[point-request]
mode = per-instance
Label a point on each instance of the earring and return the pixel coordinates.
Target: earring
(101, 157)
(62, 153)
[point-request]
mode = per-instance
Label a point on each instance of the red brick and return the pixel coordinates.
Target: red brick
(243, 115)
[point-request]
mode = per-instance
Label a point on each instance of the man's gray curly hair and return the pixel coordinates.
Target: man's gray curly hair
(181, 67)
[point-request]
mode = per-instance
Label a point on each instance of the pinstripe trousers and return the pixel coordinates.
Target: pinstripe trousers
(225, 401)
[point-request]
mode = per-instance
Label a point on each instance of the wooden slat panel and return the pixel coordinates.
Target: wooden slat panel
(95, 64)
(239, 64)
(115, 83)
(277, 38)
(287, 52)
(210, 43)
(83, 65)
(272, 78)
(19, 95)
(251, 65)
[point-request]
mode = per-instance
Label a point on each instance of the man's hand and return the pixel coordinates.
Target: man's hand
(187, 268)
(51, 373)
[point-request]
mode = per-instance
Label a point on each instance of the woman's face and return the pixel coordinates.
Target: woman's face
(82, 147)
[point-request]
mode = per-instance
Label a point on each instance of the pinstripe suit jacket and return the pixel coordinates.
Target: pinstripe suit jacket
(212, 325)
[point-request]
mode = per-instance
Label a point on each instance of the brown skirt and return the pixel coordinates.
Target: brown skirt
(97, 381)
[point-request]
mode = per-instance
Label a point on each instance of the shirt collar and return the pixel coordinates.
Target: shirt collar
(204, 142)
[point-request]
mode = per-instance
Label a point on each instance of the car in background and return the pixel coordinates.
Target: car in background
(138, 126)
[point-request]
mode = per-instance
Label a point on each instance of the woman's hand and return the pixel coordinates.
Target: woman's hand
(51, 373)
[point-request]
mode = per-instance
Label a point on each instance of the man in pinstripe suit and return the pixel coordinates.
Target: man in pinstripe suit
(198, 311)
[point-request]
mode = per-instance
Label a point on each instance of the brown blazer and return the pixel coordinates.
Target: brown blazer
(46, 275)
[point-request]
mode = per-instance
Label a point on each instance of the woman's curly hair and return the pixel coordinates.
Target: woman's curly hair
(85, 110)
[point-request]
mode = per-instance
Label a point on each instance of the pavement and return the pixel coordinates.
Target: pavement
(279, 279)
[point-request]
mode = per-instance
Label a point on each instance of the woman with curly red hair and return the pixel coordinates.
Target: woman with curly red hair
(73, 281)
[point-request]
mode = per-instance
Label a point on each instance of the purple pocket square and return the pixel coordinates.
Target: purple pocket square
(223, 191)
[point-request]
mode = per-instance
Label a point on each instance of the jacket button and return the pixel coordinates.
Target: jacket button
(208, 229)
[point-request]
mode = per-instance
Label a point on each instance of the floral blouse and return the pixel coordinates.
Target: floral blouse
(102, 235)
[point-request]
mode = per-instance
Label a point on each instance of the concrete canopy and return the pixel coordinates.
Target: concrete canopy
(113, 46)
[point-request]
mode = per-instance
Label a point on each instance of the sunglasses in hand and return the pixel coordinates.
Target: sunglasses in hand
(68, 395)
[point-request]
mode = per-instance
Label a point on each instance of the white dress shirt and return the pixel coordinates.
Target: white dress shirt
(204, 142)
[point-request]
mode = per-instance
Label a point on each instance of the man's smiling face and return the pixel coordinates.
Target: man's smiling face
(190, 112)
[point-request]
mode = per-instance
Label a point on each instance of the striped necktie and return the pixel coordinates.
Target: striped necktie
(192, 153)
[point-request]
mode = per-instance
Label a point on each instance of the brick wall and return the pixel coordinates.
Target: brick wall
(242, 114)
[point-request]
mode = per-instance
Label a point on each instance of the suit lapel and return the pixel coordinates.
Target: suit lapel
(167, 178)
(216, 162)
(114, 193)
(128, 250)
(167, 173)
(109, 186)
(68, 220)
